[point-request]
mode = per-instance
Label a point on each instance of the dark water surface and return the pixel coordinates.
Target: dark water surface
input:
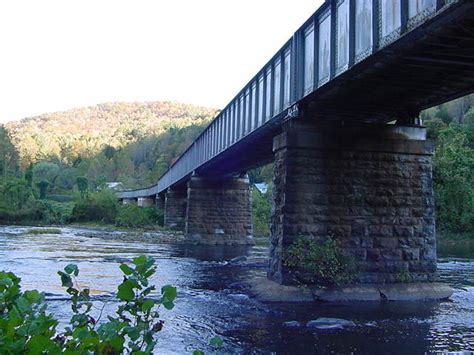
(207, 306)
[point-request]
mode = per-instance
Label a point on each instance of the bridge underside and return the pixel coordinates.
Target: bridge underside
(424, 68)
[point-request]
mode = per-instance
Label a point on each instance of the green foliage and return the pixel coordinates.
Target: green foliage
(109, 151)
(451, 126)
(17, 204)
(60, 198)
(131, 215)
(469, 118)
(8, 154)
(261, 209)
(51, 212)
(29, 176)
(453, 167)
(404, 276)
(434, 127)
(99, 206)
(319, 262)
(45, 170)
(82, 185)
(215, 342)
(15, 194)
(44, 231)
(66, 136)
(25, 327)
(43, 188)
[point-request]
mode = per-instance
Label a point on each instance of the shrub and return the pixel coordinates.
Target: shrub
(25, 327)
(51, 212)
(133, 216)
(320, 263)
(261, 209)
(60, 198)
(100, 206)
(44, 231)
(82, 185)
(43, 188)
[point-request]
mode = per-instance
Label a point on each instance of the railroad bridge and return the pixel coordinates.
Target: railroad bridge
(336, 109)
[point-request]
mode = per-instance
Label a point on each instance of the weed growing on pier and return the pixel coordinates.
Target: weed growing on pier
(319, 263)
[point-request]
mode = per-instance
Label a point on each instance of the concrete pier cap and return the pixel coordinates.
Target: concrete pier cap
(129, 200)
(146, 201)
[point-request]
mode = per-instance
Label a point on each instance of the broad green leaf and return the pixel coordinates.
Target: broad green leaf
(6, 281)
(198, 352)
(126, 269)
(140, 260)
(23, 304)
(168, 304)
(66, 280)
(33, 296)
(147, 305)
(216, 342)
(40, 344)
(125, 291)
(169, 292)
(72, 269)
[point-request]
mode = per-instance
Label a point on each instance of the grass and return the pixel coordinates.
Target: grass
(447, 236)
(44, 231)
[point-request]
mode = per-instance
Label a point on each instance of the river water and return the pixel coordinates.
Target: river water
(209, 304)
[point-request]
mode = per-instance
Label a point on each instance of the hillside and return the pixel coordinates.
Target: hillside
(129, 142)
(85, 131)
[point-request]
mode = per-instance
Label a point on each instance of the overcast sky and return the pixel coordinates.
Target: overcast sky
(60, 54)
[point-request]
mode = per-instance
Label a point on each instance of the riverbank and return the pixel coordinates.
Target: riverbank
(150, 234)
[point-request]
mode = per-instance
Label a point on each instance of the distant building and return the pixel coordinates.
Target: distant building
(114, 185)
(262, 187)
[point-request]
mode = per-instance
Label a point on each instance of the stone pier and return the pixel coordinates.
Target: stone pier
(219, 211)
(160, 201)
(146, 202)
(175, 208)
(129, 201)
(367, 186)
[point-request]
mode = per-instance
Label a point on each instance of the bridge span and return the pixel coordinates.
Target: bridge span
(336, 109)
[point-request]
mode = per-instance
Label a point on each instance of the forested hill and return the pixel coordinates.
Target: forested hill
(85, 131)
(129, 142)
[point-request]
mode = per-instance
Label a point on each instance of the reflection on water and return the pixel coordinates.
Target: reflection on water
(207, 306)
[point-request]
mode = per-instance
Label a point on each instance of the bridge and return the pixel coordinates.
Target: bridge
(336, 109)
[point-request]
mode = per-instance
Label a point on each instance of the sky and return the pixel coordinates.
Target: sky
(60, 54)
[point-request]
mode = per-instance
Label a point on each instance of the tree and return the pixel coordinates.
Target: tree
(43, 188)
(8, 154)
(29, 175)
(453, 167)
(82, 185)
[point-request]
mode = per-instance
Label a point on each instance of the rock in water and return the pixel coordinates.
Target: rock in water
(292, 324)
(329, 323)
(238, 259)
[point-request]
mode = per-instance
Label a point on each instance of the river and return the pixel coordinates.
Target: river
(209, 305)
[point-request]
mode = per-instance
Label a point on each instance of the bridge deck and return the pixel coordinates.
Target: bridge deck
(352, 60)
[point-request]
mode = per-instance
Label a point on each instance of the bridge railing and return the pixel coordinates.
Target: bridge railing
(337, 36)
